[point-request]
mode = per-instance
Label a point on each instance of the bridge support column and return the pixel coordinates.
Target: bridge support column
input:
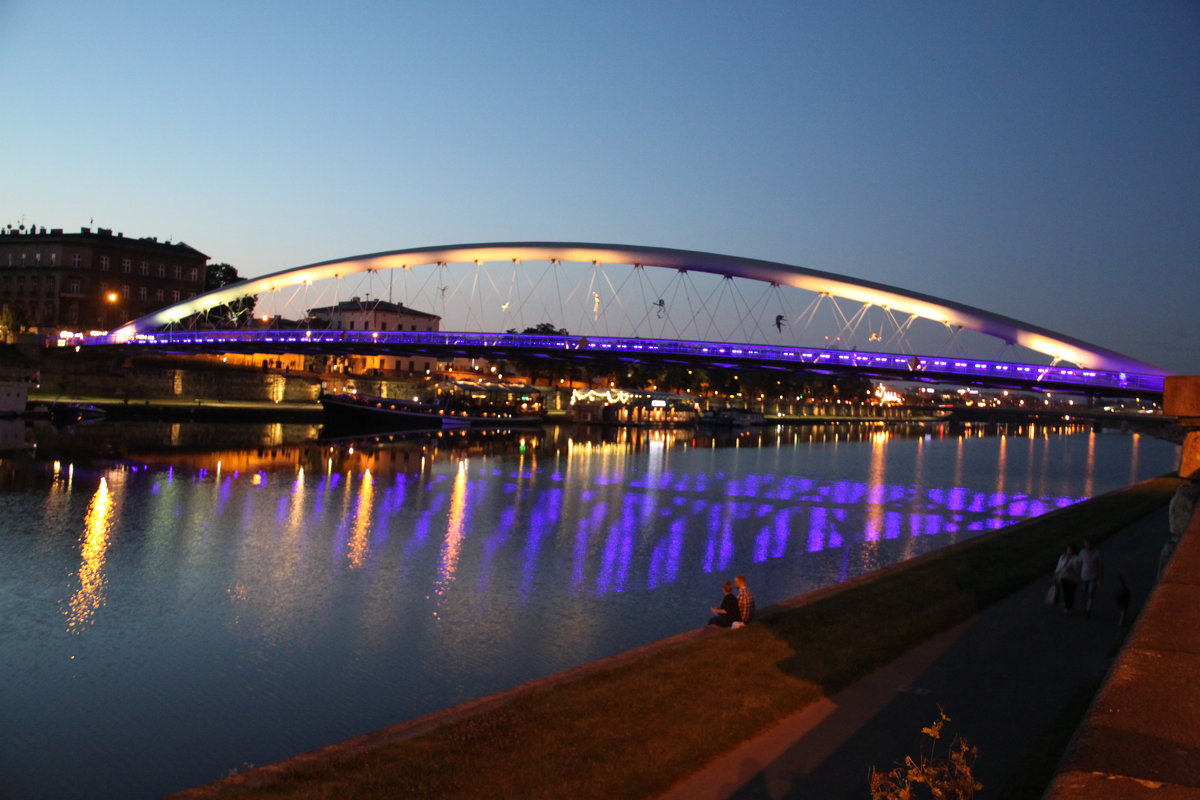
(1181, 399)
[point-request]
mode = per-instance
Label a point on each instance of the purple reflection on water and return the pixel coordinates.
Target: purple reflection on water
(664, 557)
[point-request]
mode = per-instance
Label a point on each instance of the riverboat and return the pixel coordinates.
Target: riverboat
(452, 406)
(66, 412)
(733, 418)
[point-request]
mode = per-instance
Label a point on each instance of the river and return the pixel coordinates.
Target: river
(182, 600)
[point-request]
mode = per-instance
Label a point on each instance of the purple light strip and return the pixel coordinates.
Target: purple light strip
(902, 365)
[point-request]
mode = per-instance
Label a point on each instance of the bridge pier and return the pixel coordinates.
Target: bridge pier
(1181, 399)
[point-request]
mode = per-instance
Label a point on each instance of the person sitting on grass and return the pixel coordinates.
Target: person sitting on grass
(728, 613)
(745, 602)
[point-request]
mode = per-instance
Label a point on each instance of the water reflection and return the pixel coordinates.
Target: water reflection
(311, 591)
(628, 527)
(452, 543)
(628, 522)
(90, 594)
(364, 506)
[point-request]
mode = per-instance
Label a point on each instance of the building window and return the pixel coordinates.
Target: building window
(161, 270)
(76, 261)
(158, 295)
(125, 291)
(195, 274)
(178, 272)
(143, 268)
(75, 286)
(104, 263)
(174, 295)
(126, 265)
(141, 293)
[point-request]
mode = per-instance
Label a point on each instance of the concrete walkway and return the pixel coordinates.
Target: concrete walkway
(1001, 677)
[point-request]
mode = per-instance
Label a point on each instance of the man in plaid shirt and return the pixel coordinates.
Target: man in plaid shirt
(745, 600)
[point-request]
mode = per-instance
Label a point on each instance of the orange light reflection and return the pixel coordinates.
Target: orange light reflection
(90, 595)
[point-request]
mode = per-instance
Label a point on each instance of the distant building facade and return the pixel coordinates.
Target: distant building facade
(52, 281)
(377, 315)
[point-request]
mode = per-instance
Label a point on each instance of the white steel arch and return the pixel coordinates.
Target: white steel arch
(1056, 345)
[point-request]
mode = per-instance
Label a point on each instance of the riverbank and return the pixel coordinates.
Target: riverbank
(635, 725)
(188, 409)
(181, 409)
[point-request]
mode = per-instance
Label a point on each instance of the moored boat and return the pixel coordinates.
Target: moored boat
(452, 408)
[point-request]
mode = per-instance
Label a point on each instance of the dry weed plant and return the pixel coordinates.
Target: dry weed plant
(930, 775)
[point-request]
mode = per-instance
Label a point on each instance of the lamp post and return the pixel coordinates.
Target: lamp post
(110, 298)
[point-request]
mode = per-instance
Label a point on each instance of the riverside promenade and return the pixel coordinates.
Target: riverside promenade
(1004, 676)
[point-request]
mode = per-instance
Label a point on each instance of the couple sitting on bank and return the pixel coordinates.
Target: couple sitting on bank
(734, 611)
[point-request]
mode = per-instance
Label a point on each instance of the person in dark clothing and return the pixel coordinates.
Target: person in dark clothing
(728, 613)
(1066, 573)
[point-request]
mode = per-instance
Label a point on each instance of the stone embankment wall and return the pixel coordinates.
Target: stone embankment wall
(69, 375)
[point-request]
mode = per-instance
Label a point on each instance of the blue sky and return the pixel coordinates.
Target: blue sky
(1037, 159)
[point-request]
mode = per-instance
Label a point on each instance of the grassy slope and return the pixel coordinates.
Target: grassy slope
(637, 728)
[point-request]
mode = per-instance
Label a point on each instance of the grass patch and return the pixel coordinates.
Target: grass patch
(636, 728)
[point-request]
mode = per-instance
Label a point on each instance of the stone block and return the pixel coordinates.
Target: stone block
(1181, 397)
(1145, 723)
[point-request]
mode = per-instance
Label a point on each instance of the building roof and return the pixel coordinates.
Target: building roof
(358, 305)
(103, 236)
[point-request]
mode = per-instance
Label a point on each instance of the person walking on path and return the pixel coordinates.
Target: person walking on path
(745, 600)
(1066, 574)
(1091, 573)
(729, 612)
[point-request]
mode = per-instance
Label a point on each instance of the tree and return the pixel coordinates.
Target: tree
(533, 367)
(230, 315)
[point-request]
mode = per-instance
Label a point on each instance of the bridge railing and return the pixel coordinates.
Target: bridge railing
(900, 366)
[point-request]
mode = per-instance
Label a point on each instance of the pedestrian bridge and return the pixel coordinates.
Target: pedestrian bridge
(639, 304)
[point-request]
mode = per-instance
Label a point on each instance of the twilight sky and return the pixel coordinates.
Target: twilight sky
(1037, 159)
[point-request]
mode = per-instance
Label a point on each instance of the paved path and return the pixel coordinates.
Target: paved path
(1000, 677)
